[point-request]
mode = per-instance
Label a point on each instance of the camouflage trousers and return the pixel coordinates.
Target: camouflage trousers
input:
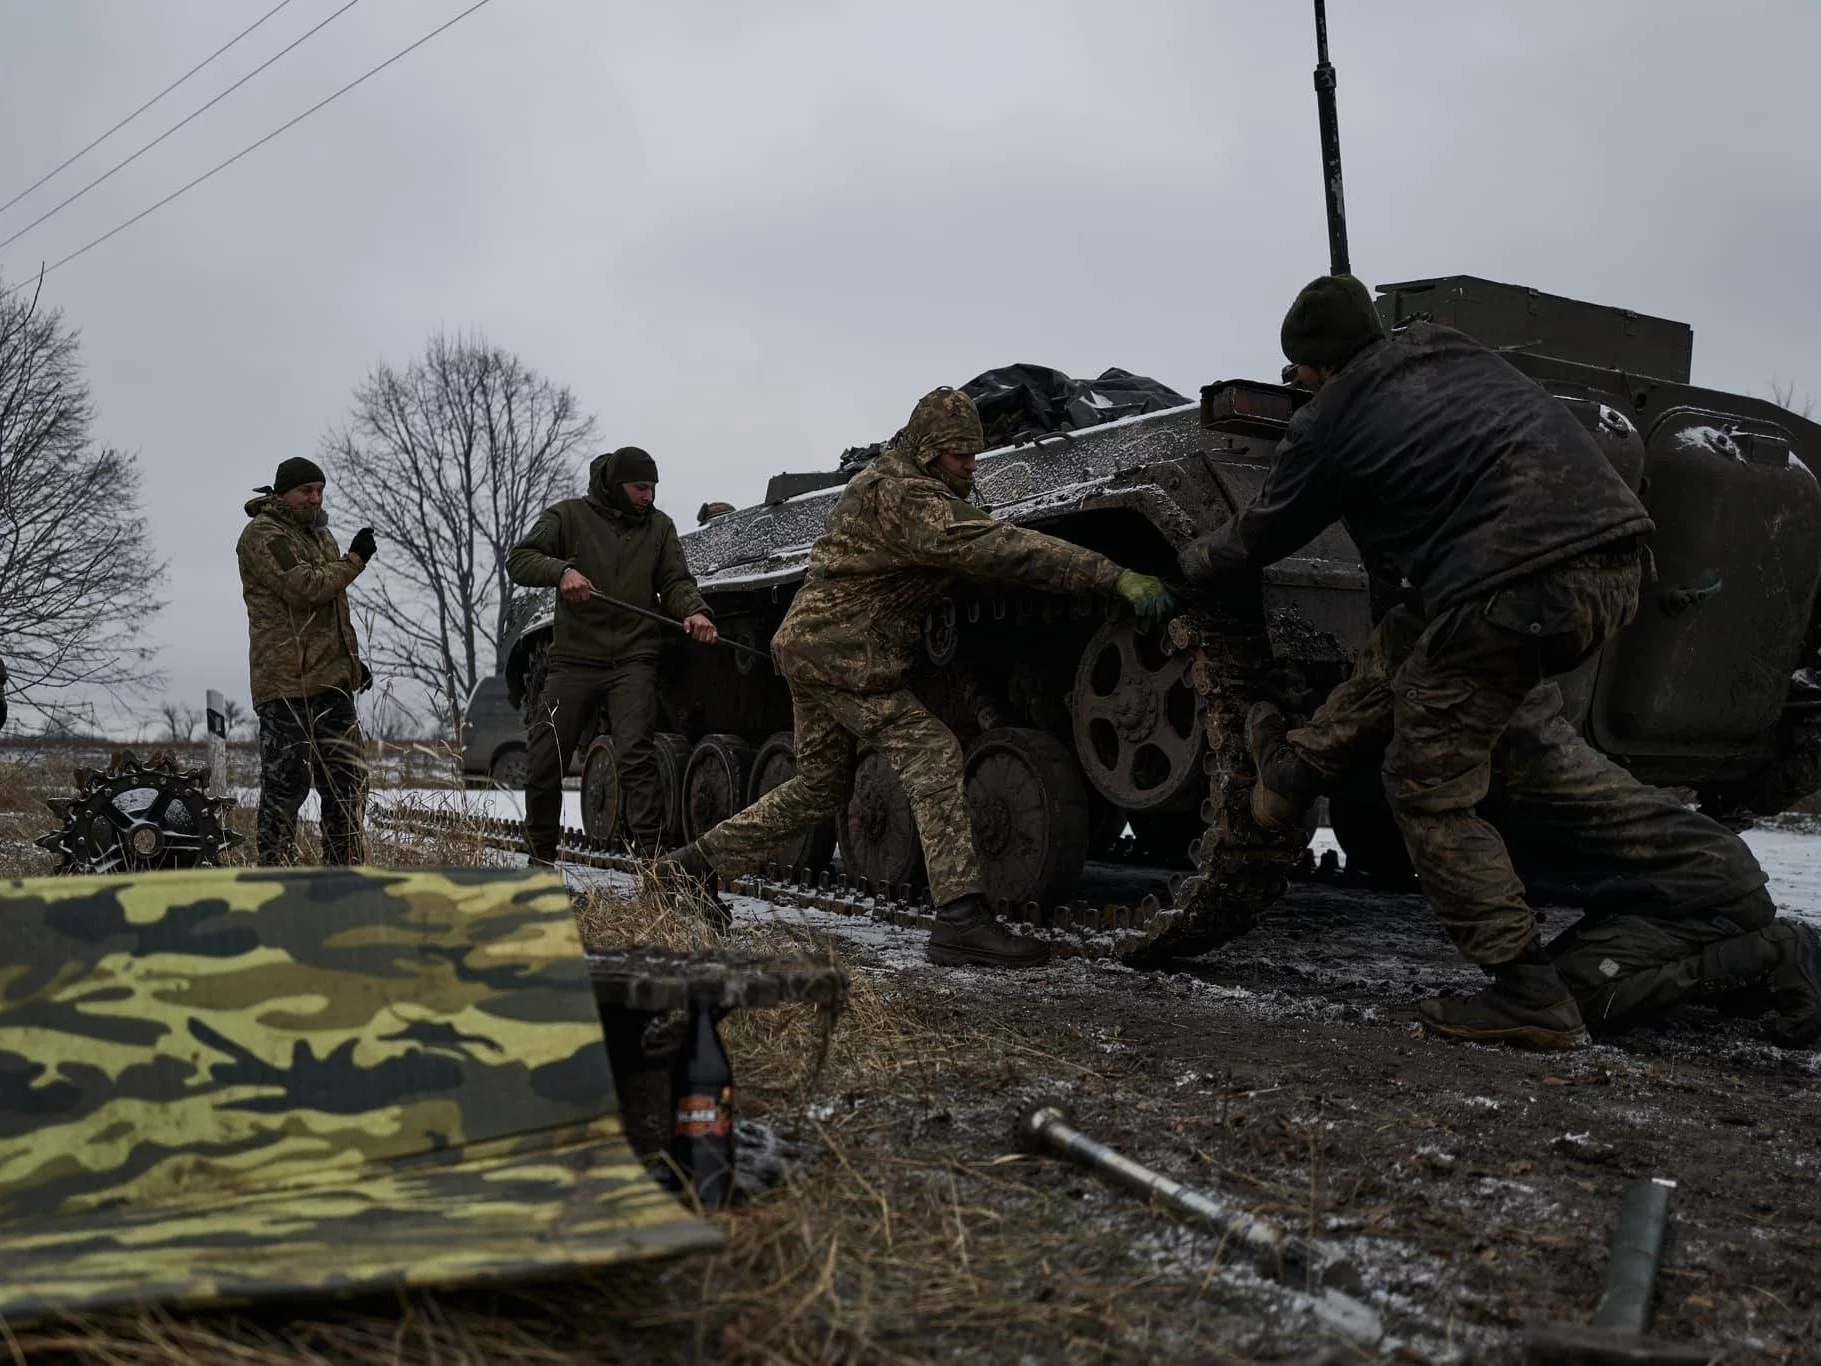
(563, 716)
(1445, 698)
(831, 723)
(305, 741)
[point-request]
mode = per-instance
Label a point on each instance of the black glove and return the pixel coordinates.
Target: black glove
(366, 678)
(363, 544)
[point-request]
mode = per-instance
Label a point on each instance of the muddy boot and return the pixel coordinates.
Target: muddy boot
(542, 853)
(1795, 983)
(1287, 785)
(968, 935)
(1527, 1003)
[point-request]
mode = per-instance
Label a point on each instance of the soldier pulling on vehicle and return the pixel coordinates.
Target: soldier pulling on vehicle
(901, 532)
(1457, 474)
(611, 541)
(306, 664)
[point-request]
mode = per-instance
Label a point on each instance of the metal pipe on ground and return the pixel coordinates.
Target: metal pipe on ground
(1622, 1317)
(1291, 1259)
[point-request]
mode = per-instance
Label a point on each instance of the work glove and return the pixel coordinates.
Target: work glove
(366, 678)
(1148, 596)
(363, 544)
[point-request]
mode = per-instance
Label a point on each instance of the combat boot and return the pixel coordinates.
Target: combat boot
(1795, 983)
(968, 935)
(1527, 1003)
(1287, 784)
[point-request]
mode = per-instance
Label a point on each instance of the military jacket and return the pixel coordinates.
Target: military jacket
(1448, 465)
(295, 579)
(636, 558)
(894, 544)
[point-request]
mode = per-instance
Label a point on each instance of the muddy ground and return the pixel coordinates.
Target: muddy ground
(1475, 1187)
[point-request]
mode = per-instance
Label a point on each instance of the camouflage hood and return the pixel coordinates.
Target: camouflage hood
(272, 504)
(229, 1084)
(944, 421)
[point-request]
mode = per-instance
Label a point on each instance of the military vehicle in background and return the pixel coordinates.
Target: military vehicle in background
(1077, 724)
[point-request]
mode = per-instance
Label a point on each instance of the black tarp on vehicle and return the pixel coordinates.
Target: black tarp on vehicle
(1022, 402)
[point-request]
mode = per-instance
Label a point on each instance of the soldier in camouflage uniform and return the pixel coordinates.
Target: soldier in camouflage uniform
(614, 541)
(902, 531)
(306, 665)
(1456, 473)
(1676, 906)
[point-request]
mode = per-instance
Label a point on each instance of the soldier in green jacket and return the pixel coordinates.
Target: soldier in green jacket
(902, 531)
(615, 542)
(306, 664)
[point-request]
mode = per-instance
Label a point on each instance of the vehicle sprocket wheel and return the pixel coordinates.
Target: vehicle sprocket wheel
(879, 839)
(775, 763)
(1137, 719)
(601, 789)
(714, 784)
(134, 817)
(1029, 809)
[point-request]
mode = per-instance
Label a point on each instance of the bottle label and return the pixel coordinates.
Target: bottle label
(701, 1116)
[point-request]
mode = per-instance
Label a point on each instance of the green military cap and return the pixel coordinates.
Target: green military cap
(226, 1084)
(1331, 319)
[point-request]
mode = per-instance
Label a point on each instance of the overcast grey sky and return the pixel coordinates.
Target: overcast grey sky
(748, 235)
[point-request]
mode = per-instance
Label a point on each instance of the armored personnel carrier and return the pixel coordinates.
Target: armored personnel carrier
(1078, 726)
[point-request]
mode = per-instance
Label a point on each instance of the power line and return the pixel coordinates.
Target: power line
(122, 165)
(253, 147)
(142, 108)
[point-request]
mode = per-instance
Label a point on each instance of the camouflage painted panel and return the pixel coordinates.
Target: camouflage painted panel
(194, 1063)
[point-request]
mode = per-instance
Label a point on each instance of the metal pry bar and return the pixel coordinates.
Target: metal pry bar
(1293, 1260)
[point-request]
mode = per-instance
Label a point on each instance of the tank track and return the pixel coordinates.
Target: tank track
(1240, 869)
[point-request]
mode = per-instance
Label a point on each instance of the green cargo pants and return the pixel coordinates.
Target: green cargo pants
(831, 723)
(572, 696)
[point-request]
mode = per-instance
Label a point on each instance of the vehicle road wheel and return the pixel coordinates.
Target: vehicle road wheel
(673, 764)
(601, 790)
(775, 763)
(879, 834)
(1029, 808)
(714, 784)
(509, 769)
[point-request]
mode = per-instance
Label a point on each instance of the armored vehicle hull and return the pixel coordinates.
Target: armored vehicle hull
(1078, 727)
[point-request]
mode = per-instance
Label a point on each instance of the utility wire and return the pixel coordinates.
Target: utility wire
(122, 165)
(142, 108)
(253, 147)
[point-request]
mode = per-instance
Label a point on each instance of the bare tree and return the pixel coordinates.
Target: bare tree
(235, 717)
(78, 579)
(449, 461)
(179, 720)
(1784, 396)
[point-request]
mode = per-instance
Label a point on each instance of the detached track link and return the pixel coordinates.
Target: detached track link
(1240, 869)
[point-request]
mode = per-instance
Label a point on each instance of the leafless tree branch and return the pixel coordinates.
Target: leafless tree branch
(78, 579)
(449, 461)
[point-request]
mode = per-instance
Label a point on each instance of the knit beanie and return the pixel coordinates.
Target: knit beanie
(1331, 320)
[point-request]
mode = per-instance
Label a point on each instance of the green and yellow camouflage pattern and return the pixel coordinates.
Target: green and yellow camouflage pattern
(294, 578)
(220, 1085)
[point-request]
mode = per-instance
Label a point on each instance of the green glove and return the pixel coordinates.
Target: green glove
(1149, 598)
